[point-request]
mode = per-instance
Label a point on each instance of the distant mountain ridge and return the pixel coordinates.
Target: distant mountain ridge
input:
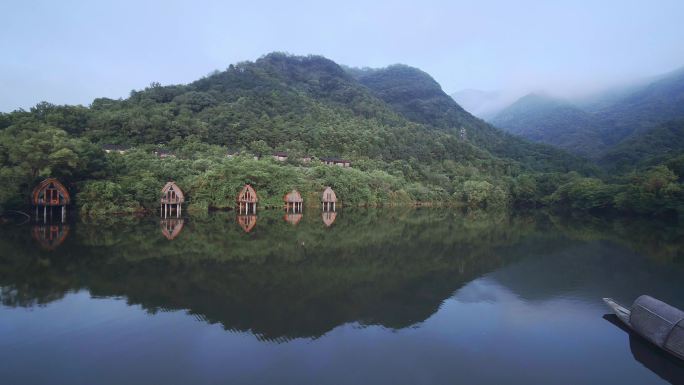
(416, 96)
(645, 108)
(659, 145)
(596, 127)
(545, 119)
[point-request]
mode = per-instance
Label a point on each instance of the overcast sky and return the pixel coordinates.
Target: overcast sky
(74, 51)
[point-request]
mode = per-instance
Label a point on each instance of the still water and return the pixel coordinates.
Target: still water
(364, 296)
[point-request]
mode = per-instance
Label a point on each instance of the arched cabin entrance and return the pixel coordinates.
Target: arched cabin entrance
(328, 199)
(293, 202)
(172, 199)
(50, 193)
(247, 200)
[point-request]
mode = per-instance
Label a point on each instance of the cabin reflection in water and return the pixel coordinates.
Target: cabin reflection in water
(171, 227)
(49, 237)
(293, 218)
(247, 222)
(329, 217)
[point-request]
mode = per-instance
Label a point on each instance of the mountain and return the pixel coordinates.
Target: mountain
(659, 101)
(311, 104)
(606, 98)
(288, 103)
(541, 118)
(602, 122)
(406, 139)
(483, 104)
(419, 98)
(661, 145)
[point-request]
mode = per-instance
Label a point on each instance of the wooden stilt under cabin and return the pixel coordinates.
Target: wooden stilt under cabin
(172, 199)
(328, 199)
(247, 200)
(50, 194)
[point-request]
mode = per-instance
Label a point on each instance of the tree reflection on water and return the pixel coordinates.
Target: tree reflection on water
(375, 267)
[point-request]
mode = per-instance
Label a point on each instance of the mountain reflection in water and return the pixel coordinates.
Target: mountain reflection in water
(392, 268)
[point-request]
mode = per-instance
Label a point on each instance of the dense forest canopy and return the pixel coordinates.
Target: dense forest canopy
(663, 144)
(408, 142)
(544, 119)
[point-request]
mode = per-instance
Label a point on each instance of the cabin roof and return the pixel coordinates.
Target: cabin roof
(172, 185)
(280, 153)
(164, 153)
(336, 160)
(253, 195)
(328, 195)
(47, 183)
(293, 196)
(114, 147)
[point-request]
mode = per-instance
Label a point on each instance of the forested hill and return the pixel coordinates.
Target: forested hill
(402, 133)
(312, 105)
(544, 119)
(419, 98)
(301, 104)
(661, 145)
(594, 126)
(646, 107)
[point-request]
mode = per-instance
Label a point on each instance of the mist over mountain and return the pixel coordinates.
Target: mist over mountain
(419, 98)
(544, 119)
(483, 104)
(607, 97)
(644, 108)
(663, 144)
(592, 126)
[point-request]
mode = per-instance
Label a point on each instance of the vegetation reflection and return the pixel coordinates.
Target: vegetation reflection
(374, 267)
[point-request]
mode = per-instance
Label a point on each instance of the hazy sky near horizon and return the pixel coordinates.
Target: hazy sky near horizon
(74, 51)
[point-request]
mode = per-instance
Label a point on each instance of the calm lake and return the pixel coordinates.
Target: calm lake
(422, 296)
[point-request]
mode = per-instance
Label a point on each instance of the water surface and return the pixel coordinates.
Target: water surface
(363, 296)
